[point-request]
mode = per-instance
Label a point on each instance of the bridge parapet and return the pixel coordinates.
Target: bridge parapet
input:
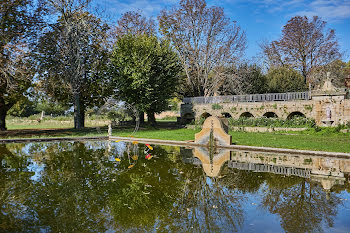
(248, 98)
(328, 106)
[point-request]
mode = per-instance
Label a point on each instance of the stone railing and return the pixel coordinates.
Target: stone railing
(248, 98)
(288, 171)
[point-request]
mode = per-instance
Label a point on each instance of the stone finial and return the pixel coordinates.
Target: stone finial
(215, 127)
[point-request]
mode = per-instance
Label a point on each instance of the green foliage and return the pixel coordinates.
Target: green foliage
(244, 79)
(117, 115)
(145, 72)
(284, 79)
(273, 122)
(20, 21)
(51, 107)
(216, 107)
(23, 108)
(308, 107)
(174, 104)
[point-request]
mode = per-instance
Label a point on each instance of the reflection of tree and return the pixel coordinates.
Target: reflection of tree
(145, 193)
(302, 205)
(77, 187)
(205, 206)
(13, 180)
(244, 181)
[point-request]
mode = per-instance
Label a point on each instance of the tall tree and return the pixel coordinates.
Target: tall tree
(73, 55)
(134, 23)
(145, 71)
(206, 41)
(305, 44)
(19, 23)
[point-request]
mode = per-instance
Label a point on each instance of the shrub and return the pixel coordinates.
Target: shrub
(297, 122)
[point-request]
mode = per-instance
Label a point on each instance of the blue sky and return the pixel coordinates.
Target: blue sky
(261, 20)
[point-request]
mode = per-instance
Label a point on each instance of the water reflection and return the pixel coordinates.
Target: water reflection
(79, 187)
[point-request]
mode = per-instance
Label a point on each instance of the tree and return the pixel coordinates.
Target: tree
(206, 41)
(304, 44)
(337, 70)
(284, 79)
(134, 23)
(72, 58)
(244, 79)
(145, 71)
(19, 23)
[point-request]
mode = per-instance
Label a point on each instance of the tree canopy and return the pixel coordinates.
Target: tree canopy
(305, 44)
(19, 23)
(206, 41)
(73, 57)
(145, 71)
(284, 79)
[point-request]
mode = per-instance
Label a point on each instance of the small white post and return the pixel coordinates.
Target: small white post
(109, 129)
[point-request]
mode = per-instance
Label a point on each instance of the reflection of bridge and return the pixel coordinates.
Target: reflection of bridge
(326, 170)
(312, 104)
(281, 170)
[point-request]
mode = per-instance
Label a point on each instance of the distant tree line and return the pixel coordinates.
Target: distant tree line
(60, 54)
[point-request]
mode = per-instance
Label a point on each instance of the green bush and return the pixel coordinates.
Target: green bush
(216, 107)
(295, 122)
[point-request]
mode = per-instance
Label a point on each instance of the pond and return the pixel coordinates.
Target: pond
(104, 186)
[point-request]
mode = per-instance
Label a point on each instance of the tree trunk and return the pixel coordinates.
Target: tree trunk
(3, 113)
(151, 118)
(82, 114)
(142, 117)
(78, 124)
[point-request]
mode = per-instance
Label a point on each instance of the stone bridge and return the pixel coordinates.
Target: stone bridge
(329, 106)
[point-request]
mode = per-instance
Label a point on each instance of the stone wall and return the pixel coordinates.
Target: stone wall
(325, 109)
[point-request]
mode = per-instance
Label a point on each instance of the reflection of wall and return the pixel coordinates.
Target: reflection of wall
(326, 170)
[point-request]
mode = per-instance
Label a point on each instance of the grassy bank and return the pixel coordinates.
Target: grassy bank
(309, 140)
(322, 140)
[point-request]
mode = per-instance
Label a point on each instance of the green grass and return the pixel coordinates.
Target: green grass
(326, 139)
(336, 142)
(50, 123)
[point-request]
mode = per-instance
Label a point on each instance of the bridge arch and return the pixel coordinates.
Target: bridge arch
(295, 114)
(205, 115)
(226, 115)
(188, 117)
(270, 115)
(246, 115)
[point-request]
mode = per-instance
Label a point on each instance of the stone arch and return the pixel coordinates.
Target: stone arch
(270, 115)
(246, 115)
(188, 117)
(294, 114)
(205, 115)
(226, 115)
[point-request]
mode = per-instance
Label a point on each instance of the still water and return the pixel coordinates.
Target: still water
(111, 187)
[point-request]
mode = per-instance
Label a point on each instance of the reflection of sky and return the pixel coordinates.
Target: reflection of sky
(37, 169)
(255, 217)
(342, 223)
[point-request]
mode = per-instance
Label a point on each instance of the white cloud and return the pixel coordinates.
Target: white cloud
(329, 10)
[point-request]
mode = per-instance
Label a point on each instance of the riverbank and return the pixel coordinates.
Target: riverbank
(323, 140)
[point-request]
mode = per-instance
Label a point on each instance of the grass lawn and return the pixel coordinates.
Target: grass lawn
(325, 140)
